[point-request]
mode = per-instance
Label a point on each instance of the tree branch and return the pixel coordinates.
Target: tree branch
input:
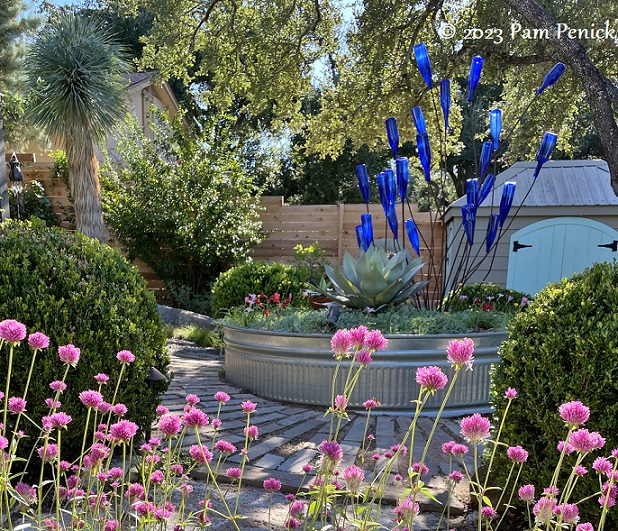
(598, 92)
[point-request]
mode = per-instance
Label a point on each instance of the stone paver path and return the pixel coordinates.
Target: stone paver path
(289, 434)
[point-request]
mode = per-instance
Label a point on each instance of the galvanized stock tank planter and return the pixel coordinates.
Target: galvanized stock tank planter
(299, 368)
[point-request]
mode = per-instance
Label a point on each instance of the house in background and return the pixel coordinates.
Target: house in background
(568, 221)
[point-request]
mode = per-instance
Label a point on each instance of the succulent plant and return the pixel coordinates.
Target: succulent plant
(374, 280)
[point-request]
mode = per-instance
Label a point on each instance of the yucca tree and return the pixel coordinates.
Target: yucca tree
(77, 76)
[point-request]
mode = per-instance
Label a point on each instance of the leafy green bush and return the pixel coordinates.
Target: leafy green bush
(78, 291)
(231, 288)
(564, 348)
(181, 203)
(487, 296)
(34, 204)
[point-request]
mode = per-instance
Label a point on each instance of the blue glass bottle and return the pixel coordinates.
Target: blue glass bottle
(552, 76)
(492, 231)
(486, 187)
(422, 60)
(367, 225)
(402, 177)
(495, 126)
(419, 120)
(475, 75)
(508, 193)
(445, 100)
(486, 152)
(412, 231)
(424, 154)
(393, 135)
(545, 150)
(468, 220)
(363, 181)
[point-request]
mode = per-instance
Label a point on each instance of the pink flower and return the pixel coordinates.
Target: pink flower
(222, 396)
(602, 465)
(119, 409)
(565, 447)
(353, 477)
(406, 509)
(584, 441)
(420, 468)
(170, 425)
(38, 340)
(460, 353)
(4, 442)
(123, 430)
(447, 447)
(90, 398)
(456, 476)
(297, 509)
(272, 485)
(341, 402)
(125, 356)
(111, 525)
(58, 386)
(363, 357)
(16, 405)
(431, 378)
(157, 477)
(233, 473)
(580, 471)
(570, 513)
(251, 432)
(134, 491)
(459, 450)
(52, 404)
(488, 513)
(574, 413)
(225, 447)
(101, 378)
(200, 454)
(307, 468)
(248, 407)
(357, 336)
(584, 527)
(517, 453)
(69, 354)
(374, 340)
(543, 509)
(510, 393)
(161, 410)
(475, 428)
(27, 492)
(372, 403)
(340, 343)
(216, 423)
(194, 418)
(104, 406)
(331, 451)
(57, 420)
(12, 331)
(192, 399)
(49, 452)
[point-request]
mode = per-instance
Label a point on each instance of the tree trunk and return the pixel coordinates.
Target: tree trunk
(82, 165)
(598, 94)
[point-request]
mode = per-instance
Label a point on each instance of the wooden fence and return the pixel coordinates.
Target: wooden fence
(334, 228)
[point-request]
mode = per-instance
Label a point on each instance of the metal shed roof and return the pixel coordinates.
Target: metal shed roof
(560, 183)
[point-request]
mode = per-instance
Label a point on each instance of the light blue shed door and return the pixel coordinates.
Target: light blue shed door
(552, 249)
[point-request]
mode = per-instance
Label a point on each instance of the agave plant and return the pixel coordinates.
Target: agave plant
(374, 280)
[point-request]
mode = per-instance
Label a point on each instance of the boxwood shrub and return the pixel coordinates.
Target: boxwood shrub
(233, 285)
(78, 291)
(564, 348)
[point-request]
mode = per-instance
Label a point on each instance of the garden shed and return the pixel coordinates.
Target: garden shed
(565, 221)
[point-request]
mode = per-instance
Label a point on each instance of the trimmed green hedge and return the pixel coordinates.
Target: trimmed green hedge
(78, 291)
(563, 348)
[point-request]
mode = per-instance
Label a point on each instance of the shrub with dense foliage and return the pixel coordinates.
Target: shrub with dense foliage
(33, 203)
(231, 288)
(182, 203)
(564, 348)
(487, 296)
(79, 292)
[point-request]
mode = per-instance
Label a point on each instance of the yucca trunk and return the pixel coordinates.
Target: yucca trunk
(83, 166)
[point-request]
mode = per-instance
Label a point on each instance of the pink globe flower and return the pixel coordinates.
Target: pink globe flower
(119, 409)
(125, 356)
(57, 420)
(169, 425)
(526, 493)
(16, 405)
(222, 397)
(12, 331)
(111, 525)
(587, 526)
(225, 447)
(251, 432)
(602, 465)
(194, 418)
(431, 378)
(543, 509)
(123, 431)
(272, 485)
(49, 452)
(341, 402)
(580, 471)
(192, 399)
(565, 447)
(517, 453)
(331, 451)
(357, 336)
(353, 477)
(459, 450)
(475, 428)
(233, 473)
(372, 403)
(374, 340)
(363, 357)
(456, 476)
(510, 393)
(406, 510)
(58, 386)
(574, 413)
(161, 410)
(584, 441)
(69, 354)
(340, 343)
(248, 406)
(101, 378)
(460, 353)
(4, 442)
(488, 513)
(90, 398)
(38, 340)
